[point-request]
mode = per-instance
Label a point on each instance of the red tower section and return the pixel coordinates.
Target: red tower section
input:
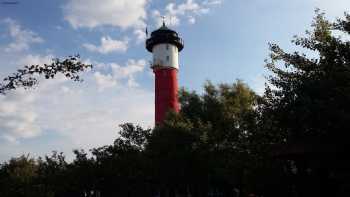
(165, 45)
(166, 90)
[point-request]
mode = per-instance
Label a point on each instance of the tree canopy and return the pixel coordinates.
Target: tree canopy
(309, 97)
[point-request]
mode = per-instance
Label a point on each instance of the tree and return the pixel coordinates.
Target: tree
(230, 109)
(307, 106)
(81, 175)
(122, 168)
(172, 150)
(233, 143)
(26, 77)
(52, 175)
(310, 96)
(17, 177)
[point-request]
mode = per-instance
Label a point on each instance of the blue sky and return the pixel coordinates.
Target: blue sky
(224, 40)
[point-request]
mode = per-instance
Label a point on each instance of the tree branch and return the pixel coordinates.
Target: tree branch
(70, 67)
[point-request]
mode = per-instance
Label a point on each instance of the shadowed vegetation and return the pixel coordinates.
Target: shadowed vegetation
(228, 141)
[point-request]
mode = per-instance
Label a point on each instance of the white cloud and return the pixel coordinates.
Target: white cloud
(118, 13)
(212, 2)
(140, 35)
(108, 45)
(129, 71)
(132, 67)
(22, 38)
(104, 81)
(17, 118)
(73, 115)
(86, 117)
(94, 119)
(35, 60)
(189, 9)
(118, 74)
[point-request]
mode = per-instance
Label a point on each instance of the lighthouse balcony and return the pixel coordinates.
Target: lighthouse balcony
(162, 39)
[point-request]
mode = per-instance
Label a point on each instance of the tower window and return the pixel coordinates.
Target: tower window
(167, 58)
(167, 47)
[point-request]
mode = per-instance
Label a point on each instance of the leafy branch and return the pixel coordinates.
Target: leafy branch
(70, 67)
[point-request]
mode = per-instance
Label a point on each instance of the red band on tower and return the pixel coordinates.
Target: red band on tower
(166, 93)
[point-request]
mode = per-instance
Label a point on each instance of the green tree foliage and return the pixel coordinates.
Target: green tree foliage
(212, 146)
(27, 77)
(17, 177)
(307, 107)
(52, 171)
(172, 150)
(122, 168)
(310, 96)
(229, 109)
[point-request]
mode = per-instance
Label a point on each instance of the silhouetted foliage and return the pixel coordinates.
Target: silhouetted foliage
(307, 107)
(312, 94)
(228, 141)
(26, 77)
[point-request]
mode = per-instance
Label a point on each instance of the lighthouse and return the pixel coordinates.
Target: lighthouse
(165, 45)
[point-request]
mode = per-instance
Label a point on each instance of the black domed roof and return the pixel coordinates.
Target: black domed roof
(164, 35)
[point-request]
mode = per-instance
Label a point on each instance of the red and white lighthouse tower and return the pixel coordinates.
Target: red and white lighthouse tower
(165, 45)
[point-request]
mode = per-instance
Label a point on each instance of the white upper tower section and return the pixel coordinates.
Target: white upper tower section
(165, 55)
